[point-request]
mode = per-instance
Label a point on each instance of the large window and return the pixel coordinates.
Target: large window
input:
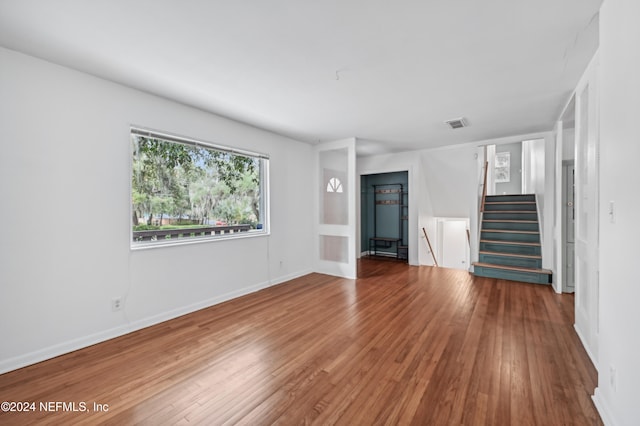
(184, 190)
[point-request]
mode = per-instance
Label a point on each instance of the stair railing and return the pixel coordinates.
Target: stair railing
(430, 249)
(484, 185)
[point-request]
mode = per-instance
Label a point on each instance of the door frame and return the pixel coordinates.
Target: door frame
(442, 237)
(412, 212)
(566, 165)
(587, 292)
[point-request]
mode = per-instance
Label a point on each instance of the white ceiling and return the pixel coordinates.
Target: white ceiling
(386, 72)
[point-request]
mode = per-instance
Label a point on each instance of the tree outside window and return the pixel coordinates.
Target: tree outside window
(203, 190)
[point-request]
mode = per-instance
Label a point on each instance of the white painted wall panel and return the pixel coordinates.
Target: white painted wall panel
(619, 340)
(64, 185)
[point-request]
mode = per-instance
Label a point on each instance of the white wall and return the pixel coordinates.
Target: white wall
(547, 207)
(539, 178)
(534, 166)
(619, 339)
(557, 216)
(568, 144)
(451, 181)
(64, 186)
(565, 150)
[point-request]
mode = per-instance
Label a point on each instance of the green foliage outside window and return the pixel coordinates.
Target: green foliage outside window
(176, 185)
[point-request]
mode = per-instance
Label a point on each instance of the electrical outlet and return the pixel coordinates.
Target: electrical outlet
(116, 304)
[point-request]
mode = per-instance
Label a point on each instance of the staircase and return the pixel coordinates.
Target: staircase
(510, 240)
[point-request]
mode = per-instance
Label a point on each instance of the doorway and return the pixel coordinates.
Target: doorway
(384, 215)
(453, 243)
(586, 207)
(516, 168)
(508, 169)
(568, 226)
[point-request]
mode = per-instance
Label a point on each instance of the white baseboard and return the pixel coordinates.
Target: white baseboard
(586, 347)
(603, 408)
(53, 351)
(289, 277)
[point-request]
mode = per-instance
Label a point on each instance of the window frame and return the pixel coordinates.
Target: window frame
(264, 189)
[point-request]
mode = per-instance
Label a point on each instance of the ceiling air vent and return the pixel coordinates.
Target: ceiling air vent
(456, 123)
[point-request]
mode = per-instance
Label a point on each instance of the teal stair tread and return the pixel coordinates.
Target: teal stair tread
(510, 231)
(513, 268)
(509, 211)
(509, 221)
(511, 195)
(510, 243)
(499, 253)
(509, 202)
(522, 243)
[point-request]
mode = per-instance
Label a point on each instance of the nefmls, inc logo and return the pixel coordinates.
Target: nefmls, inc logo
(73, 407)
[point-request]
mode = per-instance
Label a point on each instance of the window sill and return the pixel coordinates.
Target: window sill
(144, 245)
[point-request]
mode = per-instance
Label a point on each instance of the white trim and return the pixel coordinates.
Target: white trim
(254, 233)
(185, 140)
(53, 351)
(586, 347)
(412, 255)
(587, 314)
(603, 408)
(558, 243)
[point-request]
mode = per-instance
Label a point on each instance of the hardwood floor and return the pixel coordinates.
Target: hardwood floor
(400, 345)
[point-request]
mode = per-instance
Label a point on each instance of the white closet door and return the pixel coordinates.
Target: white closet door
(336, 208)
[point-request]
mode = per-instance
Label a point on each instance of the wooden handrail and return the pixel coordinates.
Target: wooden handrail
(430, 249)
(484, 185)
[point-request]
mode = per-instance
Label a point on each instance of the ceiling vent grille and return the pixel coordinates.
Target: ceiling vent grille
(456, 123)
